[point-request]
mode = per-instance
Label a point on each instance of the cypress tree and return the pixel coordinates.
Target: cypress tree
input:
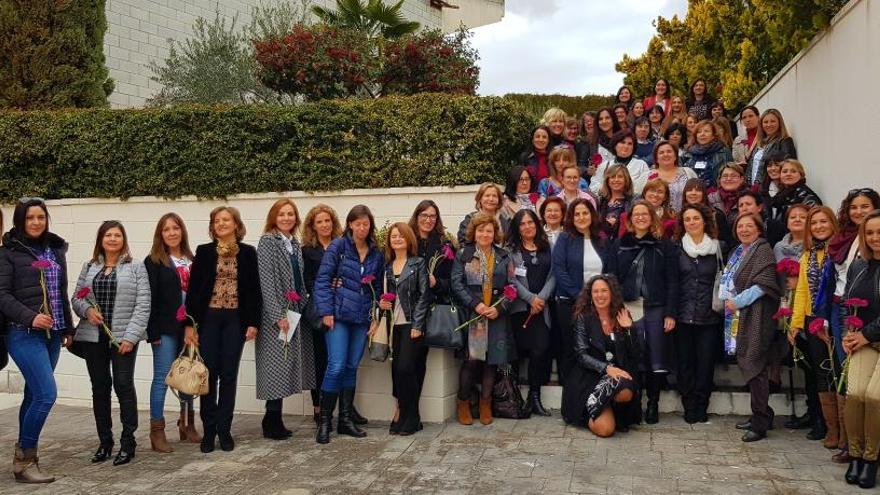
(51, 54)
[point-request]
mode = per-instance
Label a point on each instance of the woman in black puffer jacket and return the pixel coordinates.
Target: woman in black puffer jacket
(646, 265)
(698, 327)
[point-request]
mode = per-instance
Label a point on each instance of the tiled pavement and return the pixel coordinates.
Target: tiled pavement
(538, 455)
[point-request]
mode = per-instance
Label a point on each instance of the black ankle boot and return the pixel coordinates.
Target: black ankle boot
(355, 415)
(868, 476)
(854, 470)
(328, 404)
(208, 440)
(535, 403)
(652, 413)
(346, 424)
(818, 431)
(273, 428)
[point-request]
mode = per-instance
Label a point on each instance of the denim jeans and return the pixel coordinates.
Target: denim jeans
(164, 353)
(345, 347)
(36, 357)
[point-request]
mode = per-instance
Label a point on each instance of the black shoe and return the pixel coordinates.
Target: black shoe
(702, 416)
(798, 422)
(328, 403)
(652, 413)
(208, 442)
(227, 444)
(123, 457)
(753, 436)
(346, 424)
(745, 425)
(394, 429)
(868, 476)
(775, 387)
(355, 415)
(853, 471)
(273, 428)
(817, 432)
(102, 454)
(535, 403)
(690, 416)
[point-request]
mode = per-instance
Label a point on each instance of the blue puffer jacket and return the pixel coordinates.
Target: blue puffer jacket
(351, 301)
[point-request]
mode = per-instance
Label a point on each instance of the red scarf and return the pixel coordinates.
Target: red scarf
(838, 247)
(728, 199)
(542, 171)
(750, 136)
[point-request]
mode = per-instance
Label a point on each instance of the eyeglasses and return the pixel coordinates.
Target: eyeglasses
(731, 176)
(427, 216)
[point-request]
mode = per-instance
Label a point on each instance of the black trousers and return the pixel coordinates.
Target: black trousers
(808, 367)
(821, 363)
(221, 341)
(101, 358)
(319, 344)
(408, 366)
(696, 347)
(759, 393)
(533, 343)
(562, 337)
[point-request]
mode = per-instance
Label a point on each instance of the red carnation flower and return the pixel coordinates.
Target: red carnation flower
(181, 313)
(855, 302)
(533, 197)
(83, 293)
(816, 326)
(368, 279)
(509, 292)
(388, 297)
(292, 296)
(596, 159)
(854, 322)
(41, 264)
(448, 253)
(782, 313)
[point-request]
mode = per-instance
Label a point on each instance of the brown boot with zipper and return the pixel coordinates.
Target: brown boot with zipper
(158, 442)
(187, 426)
(828, 400)
(26, 467)
(486, 411)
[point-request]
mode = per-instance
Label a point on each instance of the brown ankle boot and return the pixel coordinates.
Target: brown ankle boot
(828, 400)
(464, 412)
(186, 426)
(158, 442)
(26, 467)
(486, 411)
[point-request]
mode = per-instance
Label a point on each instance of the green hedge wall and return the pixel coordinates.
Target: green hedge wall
(211, 152)
(575, 106)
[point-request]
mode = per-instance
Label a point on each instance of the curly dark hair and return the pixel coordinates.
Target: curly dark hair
(584, 304)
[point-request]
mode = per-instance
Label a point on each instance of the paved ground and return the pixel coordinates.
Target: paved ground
(529, 456)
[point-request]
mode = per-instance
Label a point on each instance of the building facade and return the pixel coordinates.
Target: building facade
(138, 31)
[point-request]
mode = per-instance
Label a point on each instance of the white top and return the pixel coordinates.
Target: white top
(842, 268)
(638, 171)
(592, 261)
(552, 235)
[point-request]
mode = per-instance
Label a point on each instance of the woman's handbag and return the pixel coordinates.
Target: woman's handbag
(440, 327)
(507, 400)
(379, 341)
(717, 303)
(188, 373)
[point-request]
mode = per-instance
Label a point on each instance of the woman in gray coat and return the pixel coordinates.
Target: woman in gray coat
(112, 299)
(283, 369)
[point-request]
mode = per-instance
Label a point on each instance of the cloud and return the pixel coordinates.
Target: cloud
(565, 46)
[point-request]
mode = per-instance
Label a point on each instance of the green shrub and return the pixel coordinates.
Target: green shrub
(536, 104)
(424, 140)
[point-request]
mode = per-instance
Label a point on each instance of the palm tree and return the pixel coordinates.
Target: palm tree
(374, 18)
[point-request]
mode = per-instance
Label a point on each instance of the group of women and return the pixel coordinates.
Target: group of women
(623, 270)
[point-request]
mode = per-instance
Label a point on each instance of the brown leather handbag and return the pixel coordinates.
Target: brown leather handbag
(188, 373)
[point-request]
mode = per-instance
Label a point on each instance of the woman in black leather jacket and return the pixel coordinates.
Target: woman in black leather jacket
(603, 391)
(407, 278)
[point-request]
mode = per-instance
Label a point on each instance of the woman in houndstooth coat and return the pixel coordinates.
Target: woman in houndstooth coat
(281, 372)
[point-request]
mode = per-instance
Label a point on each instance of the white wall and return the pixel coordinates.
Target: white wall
(77, 220)
(828, 97)
(138, 32)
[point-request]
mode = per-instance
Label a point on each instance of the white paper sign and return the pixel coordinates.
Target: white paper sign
(293, 319)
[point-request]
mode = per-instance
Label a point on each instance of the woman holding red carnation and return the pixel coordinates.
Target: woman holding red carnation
(347, 280)
(481, 273)
(862, 412)
(28, 323)
(407, 299)
(284, 368)
(168, 266)
(813, 299)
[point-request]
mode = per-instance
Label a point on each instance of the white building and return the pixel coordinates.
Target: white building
(138, 31)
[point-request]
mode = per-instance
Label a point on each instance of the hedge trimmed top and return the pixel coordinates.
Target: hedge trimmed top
(423, 140)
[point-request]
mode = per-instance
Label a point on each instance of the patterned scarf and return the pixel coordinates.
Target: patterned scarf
(478, 331)
(814, 269)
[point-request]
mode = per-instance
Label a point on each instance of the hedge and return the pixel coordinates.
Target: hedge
(536, 104)
(214, 152)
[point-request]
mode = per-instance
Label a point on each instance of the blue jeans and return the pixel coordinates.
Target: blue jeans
(345, 347)
(36, 357)
(164, 353)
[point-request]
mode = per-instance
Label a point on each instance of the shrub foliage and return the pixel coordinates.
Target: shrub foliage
(423, 140)
(537, 104)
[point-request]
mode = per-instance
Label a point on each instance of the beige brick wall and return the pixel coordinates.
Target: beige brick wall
(138, 32)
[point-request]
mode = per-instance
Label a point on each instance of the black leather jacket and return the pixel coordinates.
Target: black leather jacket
(591, 351)
(411, 289)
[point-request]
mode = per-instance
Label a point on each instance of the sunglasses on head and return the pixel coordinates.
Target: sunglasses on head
(34, 199)
(856, 192)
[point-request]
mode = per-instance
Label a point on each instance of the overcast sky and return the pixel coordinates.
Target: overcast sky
(565, 46)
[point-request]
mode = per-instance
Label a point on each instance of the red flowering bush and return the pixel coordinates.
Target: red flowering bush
(430, 62)
(316, 62)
